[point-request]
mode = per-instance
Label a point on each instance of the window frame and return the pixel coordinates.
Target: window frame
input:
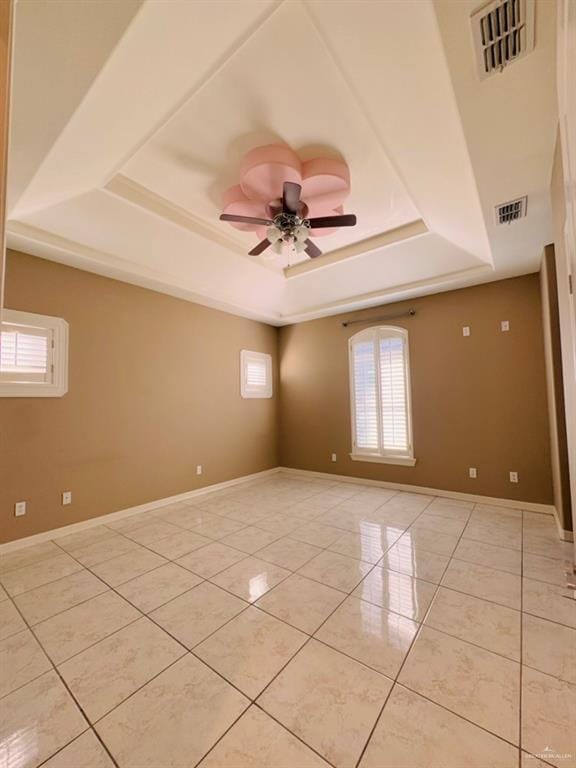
(251, 393)
(381, 456)
(57, 386)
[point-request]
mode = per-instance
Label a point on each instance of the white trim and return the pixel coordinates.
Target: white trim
(529, 506)
(447, 281)
(375, 333)
(58, 386)
(252, 391)
(137, 194)
(376, 458)
(46, 245)
(383, 240)
(563, 534)
(57, 533)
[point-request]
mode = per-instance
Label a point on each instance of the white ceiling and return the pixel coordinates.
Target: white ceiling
(130, 119)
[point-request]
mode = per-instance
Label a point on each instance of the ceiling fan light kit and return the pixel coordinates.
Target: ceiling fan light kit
(286, 201)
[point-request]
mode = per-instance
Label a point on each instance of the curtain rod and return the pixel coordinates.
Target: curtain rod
(409, 313)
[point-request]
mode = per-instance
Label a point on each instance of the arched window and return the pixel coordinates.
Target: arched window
(380, 396)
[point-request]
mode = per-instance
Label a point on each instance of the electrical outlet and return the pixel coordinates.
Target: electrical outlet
(333, 457)
(504, 325)
(19, 508)
(472, 472)
(199, 469)
(513, 477)
(465, 330)
(66, 497)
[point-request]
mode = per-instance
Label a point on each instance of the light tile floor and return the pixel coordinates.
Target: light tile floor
(289, 623)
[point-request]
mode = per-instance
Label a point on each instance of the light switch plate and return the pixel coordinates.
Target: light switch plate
(19, 508)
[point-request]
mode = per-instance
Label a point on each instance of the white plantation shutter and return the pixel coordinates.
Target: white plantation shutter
(33, 355)
(25, 353)
(380, 392)
(366, 395)
(393, 394)
(255, 374)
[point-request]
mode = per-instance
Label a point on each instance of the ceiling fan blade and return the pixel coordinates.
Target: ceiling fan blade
(257, 250)
(348, 220)
(291, 197)
(312, 250)
(245, 219)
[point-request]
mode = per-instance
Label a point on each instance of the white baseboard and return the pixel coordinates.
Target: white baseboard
(562, 532)
(57, 533)
(530, 506)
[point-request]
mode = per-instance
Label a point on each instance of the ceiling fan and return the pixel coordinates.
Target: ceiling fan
(289, 224)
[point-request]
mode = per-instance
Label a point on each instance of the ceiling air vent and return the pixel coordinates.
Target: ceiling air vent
(508, 212)
(503, 31)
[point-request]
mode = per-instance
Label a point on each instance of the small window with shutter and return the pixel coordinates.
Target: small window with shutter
(33, 355)
(380, 396)
(255, 374)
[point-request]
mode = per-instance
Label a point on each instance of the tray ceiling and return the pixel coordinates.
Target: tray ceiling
(129, 123)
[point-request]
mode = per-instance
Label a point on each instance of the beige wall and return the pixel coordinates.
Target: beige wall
(154, 390)
(555, 388)
(477, 401)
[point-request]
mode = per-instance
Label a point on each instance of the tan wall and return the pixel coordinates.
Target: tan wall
(555, 388)
(154, 390)
(477, 401)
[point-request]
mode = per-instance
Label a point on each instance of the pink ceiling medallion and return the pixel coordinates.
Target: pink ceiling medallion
(284, 200)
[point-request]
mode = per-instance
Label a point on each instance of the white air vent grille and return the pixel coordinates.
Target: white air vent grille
(508, 212)
(503, 31)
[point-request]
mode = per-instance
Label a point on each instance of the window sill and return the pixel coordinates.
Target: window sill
(14, 389)
(406, 461)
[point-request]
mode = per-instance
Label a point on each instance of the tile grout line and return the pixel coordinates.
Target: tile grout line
(150, 513)
(345, 596)
(150, 516)
(422, 625)
(395, 679)
(254, 701)
(144, 615)
(191, 652)
(276, 617)
(187, 651)
(312, 637)
(73, 698)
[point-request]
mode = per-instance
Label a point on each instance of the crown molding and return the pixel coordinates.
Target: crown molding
(131, 191)
(374, 243)
(46, 245)
(437, 284)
